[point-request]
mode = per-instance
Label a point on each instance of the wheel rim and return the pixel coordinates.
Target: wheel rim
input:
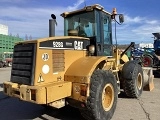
(139, 81)
(9, 64)
(147, 62)
(107, 97)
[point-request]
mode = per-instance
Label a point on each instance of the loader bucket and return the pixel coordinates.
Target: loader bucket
(148, 78)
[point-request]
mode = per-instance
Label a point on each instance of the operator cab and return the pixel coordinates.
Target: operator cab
(157, 43)
(92, 22)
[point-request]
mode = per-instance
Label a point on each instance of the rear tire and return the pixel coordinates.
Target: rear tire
(133, 79)
(102, 99)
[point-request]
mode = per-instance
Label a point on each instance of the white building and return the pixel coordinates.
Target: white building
(146, 45)
(3, 29)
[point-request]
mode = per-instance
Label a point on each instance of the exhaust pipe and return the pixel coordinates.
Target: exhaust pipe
(52, 23)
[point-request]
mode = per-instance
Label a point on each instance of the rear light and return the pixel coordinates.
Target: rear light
(33, 94)
(83, 105)
(83, 90)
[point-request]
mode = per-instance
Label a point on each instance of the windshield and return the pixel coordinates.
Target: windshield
(83, 24)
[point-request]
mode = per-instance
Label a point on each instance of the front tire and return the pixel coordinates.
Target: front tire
(102, 99)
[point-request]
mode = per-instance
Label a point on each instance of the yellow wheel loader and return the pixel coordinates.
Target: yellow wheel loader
(83, 68)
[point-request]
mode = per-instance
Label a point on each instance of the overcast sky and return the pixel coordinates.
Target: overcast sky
(31, 17)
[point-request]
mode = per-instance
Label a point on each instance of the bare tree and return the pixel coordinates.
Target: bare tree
(30, 37)
(17, 35)
(26, 37)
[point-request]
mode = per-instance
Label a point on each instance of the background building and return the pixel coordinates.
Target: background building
(3, 29)
(7, 43)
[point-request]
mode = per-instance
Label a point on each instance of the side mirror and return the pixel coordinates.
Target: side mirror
(121, 18)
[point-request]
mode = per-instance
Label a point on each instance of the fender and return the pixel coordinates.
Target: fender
(150, 55)
(81, 70)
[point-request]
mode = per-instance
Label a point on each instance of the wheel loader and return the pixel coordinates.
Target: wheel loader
(82, 69)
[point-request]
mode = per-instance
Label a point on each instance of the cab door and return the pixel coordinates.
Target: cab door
(107, 35)
(103, 39)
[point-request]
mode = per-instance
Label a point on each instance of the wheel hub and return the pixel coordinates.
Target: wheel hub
(107, 97)
(147, 61)
(139, 81)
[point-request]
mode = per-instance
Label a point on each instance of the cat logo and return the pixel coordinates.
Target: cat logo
(40, 79)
